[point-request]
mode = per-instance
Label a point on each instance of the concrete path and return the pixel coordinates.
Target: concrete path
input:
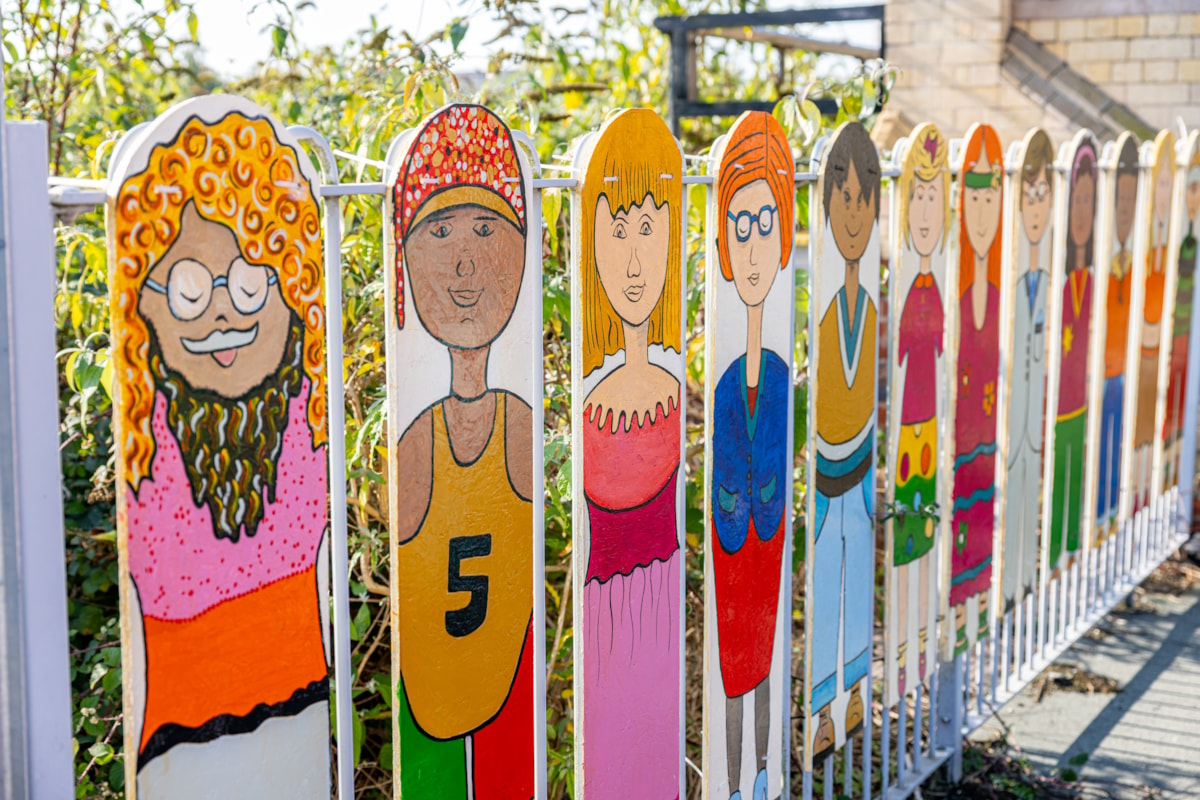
(1142, 741)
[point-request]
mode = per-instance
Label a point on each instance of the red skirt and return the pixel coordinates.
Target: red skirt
(747, 587)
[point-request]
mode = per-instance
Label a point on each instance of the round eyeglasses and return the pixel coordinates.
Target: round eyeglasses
(190, 287)
(764, 219)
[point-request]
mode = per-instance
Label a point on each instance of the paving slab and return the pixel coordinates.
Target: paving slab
(1141, 741)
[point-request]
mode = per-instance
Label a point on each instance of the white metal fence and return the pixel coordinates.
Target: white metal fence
(35, 745)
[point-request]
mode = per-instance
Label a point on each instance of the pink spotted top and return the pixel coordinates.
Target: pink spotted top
(180, 567)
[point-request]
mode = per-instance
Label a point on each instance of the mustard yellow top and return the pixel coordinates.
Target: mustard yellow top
(465, 588)
(846, 370)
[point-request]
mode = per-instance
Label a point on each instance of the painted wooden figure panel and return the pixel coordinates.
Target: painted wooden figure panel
(218, 335)
(1027, 336)
(1118, 296)
(464, 339)
(976, 381)
(1149, 324)
(628, 434)
(917, 401)
(749, 321)
(1181, 321)
(841, 531)
(1070, 360)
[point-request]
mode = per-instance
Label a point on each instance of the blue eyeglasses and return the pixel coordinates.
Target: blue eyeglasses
(764, 219)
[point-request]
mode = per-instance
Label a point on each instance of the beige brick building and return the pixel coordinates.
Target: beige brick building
(1061, 64)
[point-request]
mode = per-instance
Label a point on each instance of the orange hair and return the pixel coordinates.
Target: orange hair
(757, 149)
(983, 141)
(636, 148)
(241, 176)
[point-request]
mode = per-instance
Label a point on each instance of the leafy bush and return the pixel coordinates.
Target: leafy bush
(93, 73)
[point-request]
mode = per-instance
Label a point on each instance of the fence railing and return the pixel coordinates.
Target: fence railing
(926, 711)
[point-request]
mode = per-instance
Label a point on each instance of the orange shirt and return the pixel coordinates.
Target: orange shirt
(1155, 284)
(1116, 304)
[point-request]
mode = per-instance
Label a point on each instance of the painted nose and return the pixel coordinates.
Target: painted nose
(634, 267)
(465, 267)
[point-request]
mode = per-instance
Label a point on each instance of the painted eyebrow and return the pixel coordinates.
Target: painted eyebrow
(646, 216)
(439, 216)
(488, 217)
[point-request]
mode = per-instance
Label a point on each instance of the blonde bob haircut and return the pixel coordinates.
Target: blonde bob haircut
(928, 160)
(634, 155)
(241, 176)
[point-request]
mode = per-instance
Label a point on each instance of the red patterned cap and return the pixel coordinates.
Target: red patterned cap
(463, 155)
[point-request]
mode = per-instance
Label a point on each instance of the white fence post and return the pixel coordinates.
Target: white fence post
(30, 473)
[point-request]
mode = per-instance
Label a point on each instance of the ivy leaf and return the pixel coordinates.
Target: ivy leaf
(458, 29)
(279, 37)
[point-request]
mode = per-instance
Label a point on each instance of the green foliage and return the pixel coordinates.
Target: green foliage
(94, 72)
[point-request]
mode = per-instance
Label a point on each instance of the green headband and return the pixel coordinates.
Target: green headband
(980, 180)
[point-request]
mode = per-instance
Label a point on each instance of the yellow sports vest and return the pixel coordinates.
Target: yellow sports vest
(465, 588)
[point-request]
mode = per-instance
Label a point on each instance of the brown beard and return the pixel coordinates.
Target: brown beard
(230, 448)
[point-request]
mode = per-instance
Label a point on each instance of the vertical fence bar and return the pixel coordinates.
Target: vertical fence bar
(339, 544)
(33, 443)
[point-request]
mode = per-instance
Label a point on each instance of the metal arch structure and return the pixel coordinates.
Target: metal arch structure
(754, 26)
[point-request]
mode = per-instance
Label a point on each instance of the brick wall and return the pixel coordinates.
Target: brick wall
(949, 53)
(1149, 61)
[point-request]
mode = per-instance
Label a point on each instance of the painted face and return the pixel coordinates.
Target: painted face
(852, 216)
(631, 256)
(464, 272)
(1192, 198)
(1035, 207)
(926, 214)
(1126, 206)
(219, 320)
(981, 211)
(755, 240)
(1082, 215)
(1162, 194)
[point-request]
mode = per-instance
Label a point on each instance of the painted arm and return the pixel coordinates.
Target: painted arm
(414, 477)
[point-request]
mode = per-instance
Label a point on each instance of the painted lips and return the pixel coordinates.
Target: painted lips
(465, 298)
(634, 293)
(223, 345)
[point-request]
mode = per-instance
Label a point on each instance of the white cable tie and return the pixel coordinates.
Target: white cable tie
(666, 176)
(610, 178)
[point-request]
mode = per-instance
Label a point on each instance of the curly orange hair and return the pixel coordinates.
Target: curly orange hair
(241, 176)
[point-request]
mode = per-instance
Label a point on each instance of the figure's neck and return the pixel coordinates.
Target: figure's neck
(1035, 253)
(979, 296)
(637, 344)
(754, 316)
(851, 287)
(925, 265)
(468, 370)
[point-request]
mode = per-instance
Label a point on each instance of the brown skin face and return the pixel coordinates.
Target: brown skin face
(464, 270)
(1083, 211)
(851, 216)
(1192, 199)
(223, 339)
(1126, 206)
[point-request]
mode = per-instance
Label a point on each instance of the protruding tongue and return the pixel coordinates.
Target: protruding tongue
(225, 357)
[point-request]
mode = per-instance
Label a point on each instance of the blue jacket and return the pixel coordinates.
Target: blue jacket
(750, 465)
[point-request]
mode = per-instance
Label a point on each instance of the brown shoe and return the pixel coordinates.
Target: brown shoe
(824, 737)
(854, 711)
